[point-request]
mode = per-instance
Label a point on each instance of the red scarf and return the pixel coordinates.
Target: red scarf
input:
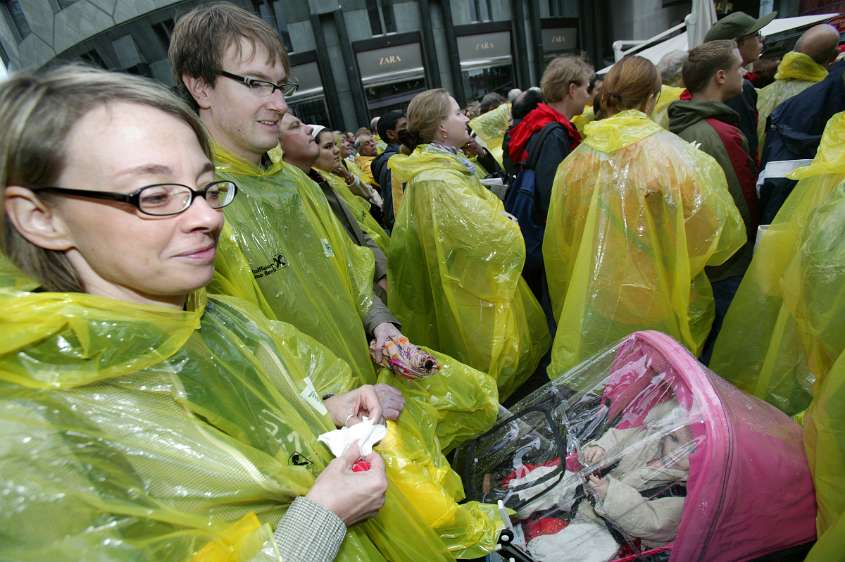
(538, 118)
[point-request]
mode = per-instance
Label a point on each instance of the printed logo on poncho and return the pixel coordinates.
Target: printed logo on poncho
(279, 262)
(327, 248)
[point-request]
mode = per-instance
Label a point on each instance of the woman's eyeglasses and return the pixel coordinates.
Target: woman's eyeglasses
(161, 199)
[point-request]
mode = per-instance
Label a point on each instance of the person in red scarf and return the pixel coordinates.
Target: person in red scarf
(545, 136)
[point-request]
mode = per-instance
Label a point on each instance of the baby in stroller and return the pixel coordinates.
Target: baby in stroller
(635, 490)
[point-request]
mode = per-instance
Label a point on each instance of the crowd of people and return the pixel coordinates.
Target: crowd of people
(165, 375)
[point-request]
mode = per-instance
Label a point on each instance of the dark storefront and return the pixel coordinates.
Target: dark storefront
(392, 71)
(486, 63)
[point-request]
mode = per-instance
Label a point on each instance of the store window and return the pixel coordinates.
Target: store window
(381, 15)
(560, 37)
(392, 75)
(486, 63)
(309, 101)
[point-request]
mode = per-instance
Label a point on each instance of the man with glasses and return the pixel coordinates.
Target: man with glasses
(745, 30)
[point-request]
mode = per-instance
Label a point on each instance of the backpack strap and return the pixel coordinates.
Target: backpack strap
(531, 162)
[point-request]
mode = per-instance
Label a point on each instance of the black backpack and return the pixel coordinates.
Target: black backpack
(520, 201)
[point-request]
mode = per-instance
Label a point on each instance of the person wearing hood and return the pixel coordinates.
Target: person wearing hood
(142, 418)
(744, 30)
(456, 257)
(799, 69)
(636, 215)
(713, 74)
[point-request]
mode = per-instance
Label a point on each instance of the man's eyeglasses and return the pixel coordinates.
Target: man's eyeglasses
(161, 199)
(263, 88)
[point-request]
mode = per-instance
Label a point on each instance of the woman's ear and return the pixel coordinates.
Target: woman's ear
(36, 221)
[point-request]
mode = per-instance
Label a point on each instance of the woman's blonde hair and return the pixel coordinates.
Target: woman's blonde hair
(425, 114)
(629, 84)
(561, 73)
(37, 112)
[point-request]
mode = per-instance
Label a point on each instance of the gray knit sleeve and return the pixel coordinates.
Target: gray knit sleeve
(309, 532)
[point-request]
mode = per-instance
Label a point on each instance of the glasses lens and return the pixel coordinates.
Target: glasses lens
(289, 87)
(219, 194)
(262, 88)
(164, 199)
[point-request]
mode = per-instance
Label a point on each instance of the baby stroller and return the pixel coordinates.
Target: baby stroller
(642, 454)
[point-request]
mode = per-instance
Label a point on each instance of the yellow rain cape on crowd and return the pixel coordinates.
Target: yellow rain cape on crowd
(455, 271)
(824, 441)
(796, 72)
(133, 432)
(768, 345)
(660, 113)
(360, 208)
(321, 282)
(280, 211)
(636, 214)
(491, 128)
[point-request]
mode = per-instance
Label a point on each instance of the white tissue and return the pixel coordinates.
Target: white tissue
(367, 434)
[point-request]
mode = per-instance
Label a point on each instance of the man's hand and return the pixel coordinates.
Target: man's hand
(391, 400)
(382, 332)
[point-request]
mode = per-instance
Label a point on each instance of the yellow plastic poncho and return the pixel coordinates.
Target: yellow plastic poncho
(583, 119)
(636, 214)
(14, 278)
(307, 268)
(767, 345)
(319, 281)
(660, 113)
(455, 271)
(824, 441)
(136, 432)
(360, 208)
(491, 128)
(796, 72)
(364, 165)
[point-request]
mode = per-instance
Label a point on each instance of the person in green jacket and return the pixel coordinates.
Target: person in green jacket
(140, 419)
(713, 74)
(456, 256)
(799, 69)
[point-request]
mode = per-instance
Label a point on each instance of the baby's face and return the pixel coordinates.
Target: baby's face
(674, 450)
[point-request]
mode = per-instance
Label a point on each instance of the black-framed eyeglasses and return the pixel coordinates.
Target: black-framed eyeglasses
(161, 199)
(263, 88)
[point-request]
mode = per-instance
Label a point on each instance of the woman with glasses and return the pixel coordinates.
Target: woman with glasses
(141, 419)
(636, 214)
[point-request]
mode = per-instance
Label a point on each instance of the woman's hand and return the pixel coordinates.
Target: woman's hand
(352, 496)
(374, 402)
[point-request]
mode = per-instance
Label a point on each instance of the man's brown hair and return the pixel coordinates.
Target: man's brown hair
(201, 37)
(705, 61)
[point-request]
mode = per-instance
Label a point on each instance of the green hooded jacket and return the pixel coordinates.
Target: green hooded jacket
(689, 120)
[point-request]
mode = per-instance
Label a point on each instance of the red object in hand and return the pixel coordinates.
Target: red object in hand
(360, 465)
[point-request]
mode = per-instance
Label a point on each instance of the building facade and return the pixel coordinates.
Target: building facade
(354, 59)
